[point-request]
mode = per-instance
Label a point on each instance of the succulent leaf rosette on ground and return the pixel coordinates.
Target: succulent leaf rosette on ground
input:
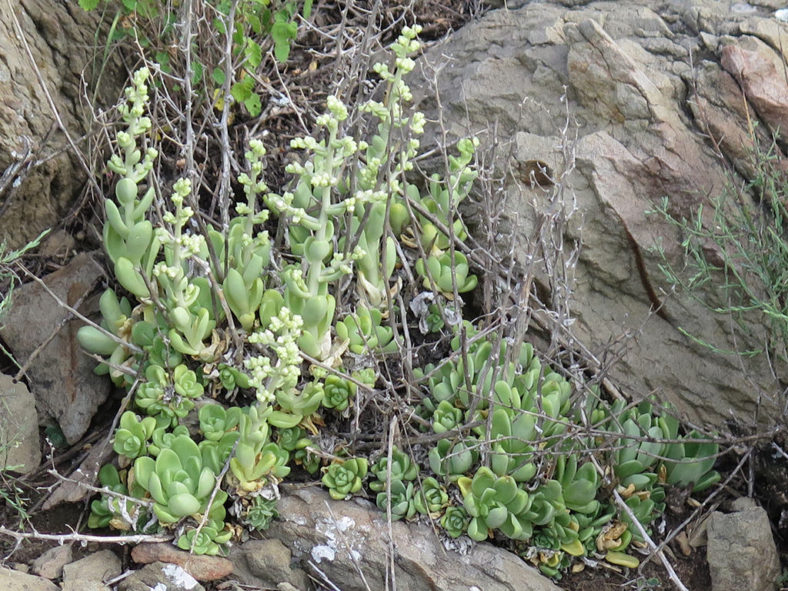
(493, 502)
(343, 478)
(178, 482)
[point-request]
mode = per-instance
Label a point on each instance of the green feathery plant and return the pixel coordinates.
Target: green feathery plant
(745, 229)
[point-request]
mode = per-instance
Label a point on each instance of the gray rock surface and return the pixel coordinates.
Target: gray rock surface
(199, 566)
(44, 176)
(92, 572)
(349, 543)
(653, 92)
(266, 563)
(50, 564)
(741, 551)
(19, 444)
(13, 580)
(160, 576)
(61, 375)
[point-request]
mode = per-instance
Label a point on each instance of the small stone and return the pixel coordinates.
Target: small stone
(741, 551)
(90, 573)
(202, 568)
(18, 427)
(744, 503)
(12, 580)
(160, 576)
(286, 587)
(267, 563)
(50, 564)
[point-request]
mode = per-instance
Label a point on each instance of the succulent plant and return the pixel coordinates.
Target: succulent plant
(179, 483)
(365, 332)
(256, 459)
(186, 383)
(149, 335)
(403, 496)
(640, 446)
(452, 460)
(578, 485)
(131, 438)
(431, 498)
(622, 559)
(446, 417)
(590, 525)
(163, 435)
(108, 510)
(155, 397)
(615, 535)
(645, 506)
(116, 319)
(307, 460)
(493, 502)
(207, 541)
(510, 444)
(297, 407)
(260, 512)
(455, 521)
(292, 439)
(244, 293)
(402, 468)
(373, 270)
(338, 392)
(216, 421)
(438, 269)
(343, 478)
(690, 462)
(232, 378)
(216, 453)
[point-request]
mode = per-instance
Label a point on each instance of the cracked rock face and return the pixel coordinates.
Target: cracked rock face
(39, 176)
(348, 542)
(660, 99)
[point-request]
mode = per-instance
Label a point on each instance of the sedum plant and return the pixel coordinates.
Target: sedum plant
(493, 502)
(344, 478)
(258, 345)
(431, 498)
(402, 500)
(179, 483)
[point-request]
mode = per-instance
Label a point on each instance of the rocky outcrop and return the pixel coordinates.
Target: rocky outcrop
(39, 173)
(42, 336)
(657, 101)
(351, 544)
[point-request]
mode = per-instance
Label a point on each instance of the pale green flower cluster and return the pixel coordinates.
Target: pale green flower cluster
(280, 338)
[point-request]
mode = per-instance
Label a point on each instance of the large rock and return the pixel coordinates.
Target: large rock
(62, 378)
(653, 94)
(44, 176)
(349, 543)
(19, 445)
